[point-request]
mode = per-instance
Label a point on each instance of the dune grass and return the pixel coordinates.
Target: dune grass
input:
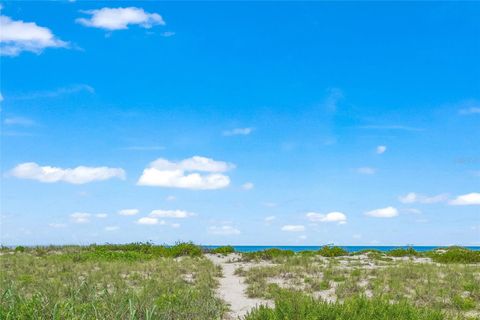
(146, 281)
(297, 306)
(109, 282)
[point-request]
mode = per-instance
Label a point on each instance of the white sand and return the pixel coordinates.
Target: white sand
(232, 288)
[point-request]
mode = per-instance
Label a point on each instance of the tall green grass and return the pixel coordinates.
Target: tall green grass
(296, 306)
(119, 282)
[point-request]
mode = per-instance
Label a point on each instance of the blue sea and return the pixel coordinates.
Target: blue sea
(347, 248)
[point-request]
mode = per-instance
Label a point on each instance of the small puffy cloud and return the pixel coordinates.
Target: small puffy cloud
(19, 121)
(80, 217)
(270, 219)
(223, 230)
(175, 225)
(391, 127)
(335, 216)
(334, 96)
(17, 36)
(167, 34)
(270, 204)
(120, 18)
(293, 228)
(413, 197)
(466, 200)
(111, 228)
(164, 173)
(469, 107)
(248, 186)
(55, 93)
(128, 212)
(101, 215)
(381, 149)
(238, 132)
(388, 212)
(78, 175)
(171, 198)
(149, 221)
(413, 210)
(57, 225)
(366, 170)
(179, 214)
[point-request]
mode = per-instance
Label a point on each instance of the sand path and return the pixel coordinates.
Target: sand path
(232, 288)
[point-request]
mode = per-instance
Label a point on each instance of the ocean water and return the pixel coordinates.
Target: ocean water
(347, 248)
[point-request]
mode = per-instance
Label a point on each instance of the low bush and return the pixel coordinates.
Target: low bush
(296, 306)
(268, 254)
(403, 252)
(455, 255)
(328, 251)
(223, 250)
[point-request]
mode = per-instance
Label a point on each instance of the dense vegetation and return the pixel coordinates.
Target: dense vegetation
(146, 281)
(297, 306)
(135, 281)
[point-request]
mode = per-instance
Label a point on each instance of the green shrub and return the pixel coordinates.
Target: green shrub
(268, 254)
(223, 250)
(20, 249)
(455, 255)
(293, 305)
(328, 251)
(402, 252)
(184, 249)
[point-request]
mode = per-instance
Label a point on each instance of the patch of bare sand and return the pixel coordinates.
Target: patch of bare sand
(232, 288)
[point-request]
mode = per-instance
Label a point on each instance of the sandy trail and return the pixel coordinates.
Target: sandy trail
(232, 288)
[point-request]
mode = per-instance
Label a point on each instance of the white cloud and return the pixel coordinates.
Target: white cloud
(167, 34)
(413, 197)
(469, 107)
(78, 175)
(175, 225)
(120, 18)
(18, 121)
(80, 217)
(17, 36)
(128, 212)
(466, 199)
(171, 198)
(391, 127)
(111, 228)
(413, 210)
(149, 221)
(164, 173)
(270, 219)
(335, 216)
(179, 214)
(248, 186)
(381, 149)
(270, 204)
(58, 92)
(334, 96)
(388, 212)
(293, 228)
(302, 237)
(238, 132)
(223, 230)
(366, 170)
(101, 215)
(57, 225)
(472, 110)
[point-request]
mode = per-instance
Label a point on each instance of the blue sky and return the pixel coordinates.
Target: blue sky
(240, 123)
